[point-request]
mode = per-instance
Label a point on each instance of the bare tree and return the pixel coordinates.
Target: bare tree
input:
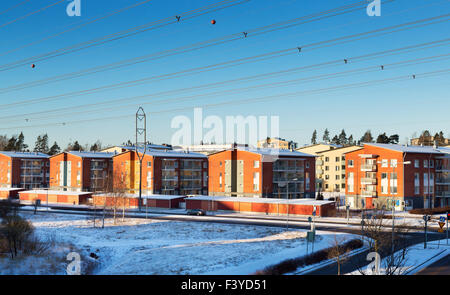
(337, 251)
(387, 242)
(116, 193)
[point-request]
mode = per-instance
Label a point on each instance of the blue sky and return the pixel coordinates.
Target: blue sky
(403, 107)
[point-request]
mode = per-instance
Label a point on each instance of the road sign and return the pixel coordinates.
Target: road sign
(310, 236)
(441, 224)
(426, 218)
(442, 219)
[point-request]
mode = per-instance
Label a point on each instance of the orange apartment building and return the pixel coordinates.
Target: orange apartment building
(80, 171)
(164, 172)
(267, 173)
(384, 174)
(23, 170)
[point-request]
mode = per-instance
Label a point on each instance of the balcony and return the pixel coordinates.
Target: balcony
(368, 180)
(368, 193)
(319, 162)
(319, 171)
(443, 194)
(369, 167)
(289, 168)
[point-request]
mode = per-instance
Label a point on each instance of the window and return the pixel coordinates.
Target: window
(337, 159)
(220, 164)
(343, 185)
(149, 164)
(384, 183)
(220, 179)
(337, 177)
(205, 164)
(393, 183)
(343, 167)
(343, 176)
(350, 182)
(343, 158)
(256, 181)
(416, 164)
(327, 159)
(326, 168)
(79, 164)
(393, 163)
(326, 186)
(425, 163)
(384, 163)
(307, 165)
(255, 164)
(425, 183)
(327, 177)
(307, 180)
(350, 163)
(431, 164)
(416, 183)
(337, 168)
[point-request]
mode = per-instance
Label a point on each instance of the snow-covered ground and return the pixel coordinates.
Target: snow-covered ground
(140, 246)
(417, 258)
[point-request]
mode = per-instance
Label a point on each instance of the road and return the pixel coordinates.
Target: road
(440, 267)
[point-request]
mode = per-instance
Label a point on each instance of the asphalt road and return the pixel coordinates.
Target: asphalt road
(440, 267)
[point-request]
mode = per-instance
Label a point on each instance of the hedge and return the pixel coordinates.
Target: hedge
(291, 265)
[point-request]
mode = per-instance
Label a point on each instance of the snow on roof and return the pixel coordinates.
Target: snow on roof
(276, 152)
(155, 197)
(310, 202)
(50, 192)
(172, 154)
(149, 146)
(25, 155)
(406, 149)
(92, 154)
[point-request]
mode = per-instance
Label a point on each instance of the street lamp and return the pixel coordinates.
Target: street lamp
(392, 200)
(287, 190)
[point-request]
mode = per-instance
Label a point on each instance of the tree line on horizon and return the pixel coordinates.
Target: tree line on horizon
(424, 139)
(17, 143)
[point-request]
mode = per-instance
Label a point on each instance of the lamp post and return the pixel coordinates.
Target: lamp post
(392, 200)
(287, 190)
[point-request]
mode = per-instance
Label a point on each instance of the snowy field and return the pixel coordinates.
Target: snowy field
(147, 247)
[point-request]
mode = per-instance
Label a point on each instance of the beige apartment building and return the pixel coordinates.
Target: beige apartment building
(330, 165)
(277, 143)
(330, 169)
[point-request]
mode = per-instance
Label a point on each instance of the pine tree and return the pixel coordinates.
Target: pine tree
(343, 138)
(55, 149)
(367, 137)
(314, 137)
(20, 143)
(326, 136)
(351, 141)
(37, 145)
(335, 140)
(382, 138)
(394, 139)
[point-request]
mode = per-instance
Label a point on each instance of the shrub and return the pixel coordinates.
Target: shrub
(430, 211)
(16, 231)
(291, 265)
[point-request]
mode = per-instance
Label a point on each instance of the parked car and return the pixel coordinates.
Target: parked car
(197, 212)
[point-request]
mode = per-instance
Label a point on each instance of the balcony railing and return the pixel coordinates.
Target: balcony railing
(368, 193)
(368, 180)
(368, 167)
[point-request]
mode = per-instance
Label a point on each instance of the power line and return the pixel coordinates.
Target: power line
(278, 97)
(238, 90)
(263, 76)
(31, 13)
(14, 7)
(278, 53)
(76, 27)
(123, 34)
(183, 49)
